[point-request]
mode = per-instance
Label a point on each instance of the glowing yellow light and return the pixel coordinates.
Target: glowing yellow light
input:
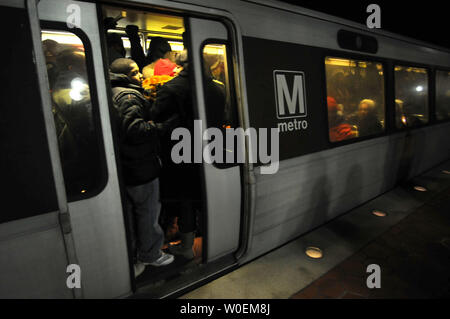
(314, 252)
(61, 37)
(126, 43)
(214, 49)
(176, 46)
(420, 188)
(174, 243)
(83, 191)
(336, 61)
(404, 119)
(379, 213)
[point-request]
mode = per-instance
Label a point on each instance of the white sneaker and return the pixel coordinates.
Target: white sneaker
(138, 269)
(164, 260)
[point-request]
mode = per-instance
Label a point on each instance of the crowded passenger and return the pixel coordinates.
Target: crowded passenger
(159, 49)
(160, 54)
(218, 71)
(180, 183)
(339, 130)
(73, 120)
(338, 88)
(116, 49)
(366, 118)
(51, 50)
(114, 41)
(215, 97)
(411, 88)
(139, 146)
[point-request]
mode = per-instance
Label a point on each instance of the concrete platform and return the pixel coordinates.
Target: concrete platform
(411, 245)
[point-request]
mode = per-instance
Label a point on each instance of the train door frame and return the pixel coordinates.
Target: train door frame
(188, 13)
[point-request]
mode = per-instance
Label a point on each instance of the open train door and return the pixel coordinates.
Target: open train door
(79, 130)
(222, 184)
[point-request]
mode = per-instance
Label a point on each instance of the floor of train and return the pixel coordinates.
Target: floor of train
(411, 245)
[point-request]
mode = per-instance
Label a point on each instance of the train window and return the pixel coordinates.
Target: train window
(355, 98)
(442, 95)
(75, 113)
(411, 96)
(27, 185)
(219, 100)
(218, 97)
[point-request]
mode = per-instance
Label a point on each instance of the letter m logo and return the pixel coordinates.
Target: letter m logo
(290, 94)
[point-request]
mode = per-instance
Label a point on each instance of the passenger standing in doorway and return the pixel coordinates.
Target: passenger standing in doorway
(140, 162)
(180, 182)
(159, 49)
(114, 41)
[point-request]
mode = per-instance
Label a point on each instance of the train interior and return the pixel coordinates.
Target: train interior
(78, 181)
(356, 96)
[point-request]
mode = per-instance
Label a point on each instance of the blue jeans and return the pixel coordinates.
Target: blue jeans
(143, 207)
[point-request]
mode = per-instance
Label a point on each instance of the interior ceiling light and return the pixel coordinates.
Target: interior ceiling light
(314, 252)
(420, 188)
(379, 213)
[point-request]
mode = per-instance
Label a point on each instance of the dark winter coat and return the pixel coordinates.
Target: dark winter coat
(173, 99)
(139, 143)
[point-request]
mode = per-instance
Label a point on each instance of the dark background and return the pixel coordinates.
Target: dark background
(427, 21)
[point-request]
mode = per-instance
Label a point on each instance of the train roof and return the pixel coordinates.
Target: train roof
(232, 5)
(298, 9)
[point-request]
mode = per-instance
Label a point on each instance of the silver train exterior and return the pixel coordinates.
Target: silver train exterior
(248, 213)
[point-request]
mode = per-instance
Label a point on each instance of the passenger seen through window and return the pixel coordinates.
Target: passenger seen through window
(78, 136)
(357, 89)
(411, 96)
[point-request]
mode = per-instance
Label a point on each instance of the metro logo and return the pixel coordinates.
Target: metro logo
(290, 100)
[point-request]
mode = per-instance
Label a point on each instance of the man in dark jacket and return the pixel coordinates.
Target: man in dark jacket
(180, 183)
(140, 162)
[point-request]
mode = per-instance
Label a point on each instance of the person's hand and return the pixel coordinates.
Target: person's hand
(131, 30)
(109, 23)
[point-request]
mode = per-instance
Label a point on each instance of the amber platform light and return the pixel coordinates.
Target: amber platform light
(379, 213)
(314, 252)
(420, 188)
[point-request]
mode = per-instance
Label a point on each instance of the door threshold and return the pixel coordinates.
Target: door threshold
(181, 276)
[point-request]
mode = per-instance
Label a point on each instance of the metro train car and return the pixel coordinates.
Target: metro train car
(357, 111)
